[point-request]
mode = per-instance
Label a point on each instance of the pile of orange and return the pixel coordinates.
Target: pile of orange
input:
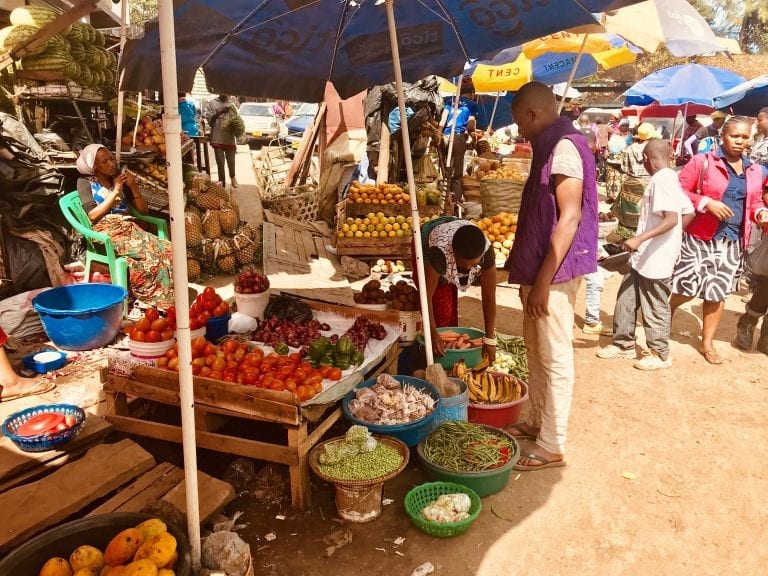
(382, 194)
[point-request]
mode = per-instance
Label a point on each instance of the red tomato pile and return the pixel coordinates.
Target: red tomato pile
(45, 423)
(234, 361)
(206, 306)
(152, 327)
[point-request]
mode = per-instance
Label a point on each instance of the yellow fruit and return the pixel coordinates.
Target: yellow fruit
(122, 547)
(345, 227)
(86, 557)
(366, 221)
(400, 219)
(350, 221)
(395, 226)
(86, 572)
(159, 549)
(353, 228)
(392, 233)
(366, 234)
(340, 234)
(388, 227)
(152, 527)
(399, 233)
(406, 226)
(374, 234)
(166, 572)
(112, 571)
(371, 216)
(141, 567)
(358, 234)
(371, 228)
(56, 567)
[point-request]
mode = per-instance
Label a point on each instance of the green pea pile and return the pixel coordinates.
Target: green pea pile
(381, 461)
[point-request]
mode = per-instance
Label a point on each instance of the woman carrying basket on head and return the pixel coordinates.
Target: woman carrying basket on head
(106, 199)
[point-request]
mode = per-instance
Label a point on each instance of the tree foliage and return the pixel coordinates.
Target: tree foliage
(140, 12)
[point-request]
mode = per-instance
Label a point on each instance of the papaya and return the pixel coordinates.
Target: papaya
(86, 572)
(56, 567)
(159, 549)
(144, 567)
(122, 548)
(86, 557)
(172, 562)
(112, 571)
(152, 527)
(165, 572)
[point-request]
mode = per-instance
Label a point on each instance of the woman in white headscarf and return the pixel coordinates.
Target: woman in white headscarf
(107, 199)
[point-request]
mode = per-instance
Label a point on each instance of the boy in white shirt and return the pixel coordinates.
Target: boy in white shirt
(664, 213)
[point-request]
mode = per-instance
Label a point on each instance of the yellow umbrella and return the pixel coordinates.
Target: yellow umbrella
(551, 60)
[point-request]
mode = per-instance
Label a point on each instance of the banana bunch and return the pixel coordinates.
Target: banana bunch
(485, 387)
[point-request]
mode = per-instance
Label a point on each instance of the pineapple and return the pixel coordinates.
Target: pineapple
(206, 201)
(229, 219)
(192, 209)
(226, 264)
(199, 183)
(193, 229)
(211, 224)
(193, 269)
(245, 249)
(217, 189)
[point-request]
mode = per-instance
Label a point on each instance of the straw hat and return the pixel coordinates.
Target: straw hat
(646, 131)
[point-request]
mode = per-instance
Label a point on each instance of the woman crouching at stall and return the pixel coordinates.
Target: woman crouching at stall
(456, 253)
(107, 199)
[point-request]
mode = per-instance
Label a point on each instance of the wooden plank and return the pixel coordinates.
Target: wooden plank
(208, 440)
(306, 147)
(147, 488)
(213, 495)
(299, 472)
(321, 250)
(301, 250)
(14, 461)
(30, 508)
(308, 243)
(320, 431)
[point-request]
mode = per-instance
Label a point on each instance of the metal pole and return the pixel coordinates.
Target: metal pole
(572, 75)
(411, 182)
(172, 127)
(121, 93)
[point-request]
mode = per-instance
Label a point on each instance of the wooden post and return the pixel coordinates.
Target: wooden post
(299, 473)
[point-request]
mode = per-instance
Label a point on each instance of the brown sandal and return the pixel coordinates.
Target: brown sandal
(711, 356)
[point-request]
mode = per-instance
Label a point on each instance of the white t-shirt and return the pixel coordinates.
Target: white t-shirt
(655, 258)
(566, 160)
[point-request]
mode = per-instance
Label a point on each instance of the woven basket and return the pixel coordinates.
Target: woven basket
(421, 496)
(314, 462)
(300, 203)
(499, 195)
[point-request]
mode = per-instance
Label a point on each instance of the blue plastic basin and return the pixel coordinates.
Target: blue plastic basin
(411, 433)
(217, 327)
(81, 316)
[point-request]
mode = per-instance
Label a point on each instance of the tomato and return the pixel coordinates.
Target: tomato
(325, 370)
(312, 380)
(205, 371)
(218, 364)
(218, 311)
(304, 393)
(153, 336)
(160, 324)
(151, 314)
(306, 366)
(40, 424)
(193, 325)
(290, 384)
(277, 384)
(209, 306)
(250, 377)
(209, 292)
(209, 349)
(215, 374)
(143, 324)
(198, 344)
(285, 372)
(229, 346)
(295, 358)
(172, 353)
(173, 364)
(166, 334)
(300, 373)
(162, 362)
(204, 317)
(334, 374)
(69, 420)
(240, 354)
(171, 313)
(224, 306)
(231, 365)
(196, 370)
(139, 336)
(266, 380)
(199, 362)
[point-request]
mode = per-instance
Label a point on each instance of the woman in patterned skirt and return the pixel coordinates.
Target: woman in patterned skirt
(727, 191)
(106, 199)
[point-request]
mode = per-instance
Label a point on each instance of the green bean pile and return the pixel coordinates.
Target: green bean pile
(381, 461)
(464, 447)
(515, 345)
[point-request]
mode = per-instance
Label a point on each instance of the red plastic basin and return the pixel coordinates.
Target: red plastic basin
(498, 415)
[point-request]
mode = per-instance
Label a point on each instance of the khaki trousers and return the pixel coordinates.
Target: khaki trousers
(549, 342)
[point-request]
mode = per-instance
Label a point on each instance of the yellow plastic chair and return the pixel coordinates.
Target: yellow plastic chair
(99, 246)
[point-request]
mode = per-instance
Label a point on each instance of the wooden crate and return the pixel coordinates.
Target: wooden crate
(216, 402)
(398, 247)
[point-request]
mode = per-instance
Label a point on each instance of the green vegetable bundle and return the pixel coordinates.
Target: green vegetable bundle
(515, 346)
(234, 125)
(465, 447)
(358, 456)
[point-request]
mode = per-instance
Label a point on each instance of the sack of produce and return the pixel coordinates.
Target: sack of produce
(288, 308)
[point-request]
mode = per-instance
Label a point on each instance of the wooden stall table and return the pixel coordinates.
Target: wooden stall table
(218, 401)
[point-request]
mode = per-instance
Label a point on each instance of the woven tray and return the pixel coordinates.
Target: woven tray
(300, 203)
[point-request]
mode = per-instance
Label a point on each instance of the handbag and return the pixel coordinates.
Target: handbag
(758, 259)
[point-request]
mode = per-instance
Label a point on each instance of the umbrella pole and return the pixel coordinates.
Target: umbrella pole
(121, 93)
(172, 126)
(493, 112)
(452, 136)
(682, 130)
(411, 182)
(572, 75)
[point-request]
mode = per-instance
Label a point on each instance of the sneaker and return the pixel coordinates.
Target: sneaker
(653, 362)
(234, 182)
(614, 351)
(597, 328)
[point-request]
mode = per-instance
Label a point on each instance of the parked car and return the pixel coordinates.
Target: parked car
(261, 124)
(302, 118)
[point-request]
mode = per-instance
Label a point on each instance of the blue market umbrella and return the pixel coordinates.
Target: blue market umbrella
(290, 48)
(745, 98)
(687, 83)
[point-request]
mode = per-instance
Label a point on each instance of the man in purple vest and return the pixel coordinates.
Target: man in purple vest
(555, 246)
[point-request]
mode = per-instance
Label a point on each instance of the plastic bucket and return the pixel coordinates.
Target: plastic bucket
(217, 327)
(472, 356)
(252, 305)
(410, 325)
(453, 407)
(149, 352)
(359, 503)
(498, 415)
(81, 316)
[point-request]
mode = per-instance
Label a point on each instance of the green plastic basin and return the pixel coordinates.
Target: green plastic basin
(472, 356)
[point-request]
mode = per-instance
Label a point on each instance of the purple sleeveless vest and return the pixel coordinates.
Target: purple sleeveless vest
(538, 213)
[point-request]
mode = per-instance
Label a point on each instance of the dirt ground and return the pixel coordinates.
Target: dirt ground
(665, 472)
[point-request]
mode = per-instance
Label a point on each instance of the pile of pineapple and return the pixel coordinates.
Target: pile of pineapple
(500, 231)
(217, 242)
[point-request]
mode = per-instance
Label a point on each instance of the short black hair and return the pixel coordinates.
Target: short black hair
(468, 242)
(763, 110)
